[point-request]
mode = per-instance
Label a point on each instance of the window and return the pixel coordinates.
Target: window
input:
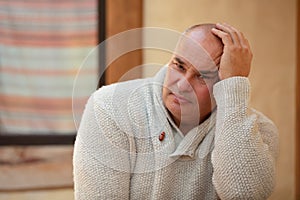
(42, 46)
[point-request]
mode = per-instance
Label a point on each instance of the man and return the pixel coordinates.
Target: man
(187, 133)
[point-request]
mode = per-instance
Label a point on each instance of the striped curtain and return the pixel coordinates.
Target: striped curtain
(42, 46)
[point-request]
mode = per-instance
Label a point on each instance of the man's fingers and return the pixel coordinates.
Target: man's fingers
(232, 31)
(242, 39)
(226, 38)
(245, 43)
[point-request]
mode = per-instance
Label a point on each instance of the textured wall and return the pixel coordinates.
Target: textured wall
(270, 26)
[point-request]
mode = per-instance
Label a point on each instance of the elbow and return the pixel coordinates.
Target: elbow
(246, 187)
(255, 193)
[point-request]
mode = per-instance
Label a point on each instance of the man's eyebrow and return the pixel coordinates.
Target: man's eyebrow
(179, 61)
(204, 72)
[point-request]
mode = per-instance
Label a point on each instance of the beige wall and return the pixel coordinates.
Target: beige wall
(270, 26)
(56, 194)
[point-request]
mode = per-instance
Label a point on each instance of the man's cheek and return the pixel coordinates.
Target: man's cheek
(171, 80)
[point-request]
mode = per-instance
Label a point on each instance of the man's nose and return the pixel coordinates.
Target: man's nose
(184, 84)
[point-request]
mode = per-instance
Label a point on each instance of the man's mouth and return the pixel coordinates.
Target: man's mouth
(180, 99)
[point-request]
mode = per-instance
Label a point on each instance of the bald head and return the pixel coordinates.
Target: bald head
(199, 41)
(205, 27)
(202, 34)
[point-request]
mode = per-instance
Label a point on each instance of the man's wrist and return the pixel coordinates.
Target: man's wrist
(232, 91)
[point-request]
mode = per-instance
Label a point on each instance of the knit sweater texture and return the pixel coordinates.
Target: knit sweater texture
(118, 153)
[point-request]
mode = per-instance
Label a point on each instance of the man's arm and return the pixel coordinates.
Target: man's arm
(245, 145)
(101, 160)
(245, 142)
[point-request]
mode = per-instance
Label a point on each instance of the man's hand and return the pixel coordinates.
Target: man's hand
(237, 55)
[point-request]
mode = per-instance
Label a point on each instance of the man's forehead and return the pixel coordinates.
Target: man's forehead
(204, 69)
(193, 53)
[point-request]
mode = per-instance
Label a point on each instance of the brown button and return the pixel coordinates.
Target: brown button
(162, 136)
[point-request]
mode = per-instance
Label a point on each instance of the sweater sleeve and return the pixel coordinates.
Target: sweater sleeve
(101, 158)
(246, 144)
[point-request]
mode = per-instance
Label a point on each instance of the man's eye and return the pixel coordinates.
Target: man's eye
(179, 66)
(201, 76)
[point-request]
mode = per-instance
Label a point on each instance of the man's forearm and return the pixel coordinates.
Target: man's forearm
(243, 162)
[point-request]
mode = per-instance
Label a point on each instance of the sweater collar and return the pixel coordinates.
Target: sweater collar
(194, 137)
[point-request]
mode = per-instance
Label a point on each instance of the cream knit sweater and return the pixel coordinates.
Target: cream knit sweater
(118, 154)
